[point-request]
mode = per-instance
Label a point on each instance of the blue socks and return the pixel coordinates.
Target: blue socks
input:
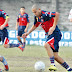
(4, 61)
(52, 60)
(66, 66)
(20, 42)
(16, 45)
(13, 45)
(24, 44)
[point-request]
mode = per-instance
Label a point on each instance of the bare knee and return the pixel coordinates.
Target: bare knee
(6, 45)
(18, 37)
(1, 58)
(46, 45)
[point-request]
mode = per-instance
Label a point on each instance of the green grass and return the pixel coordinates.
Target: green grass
(24, 61)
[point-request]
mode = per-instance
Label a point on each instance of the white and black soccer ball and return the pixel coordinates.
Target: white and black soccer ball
(39, 66)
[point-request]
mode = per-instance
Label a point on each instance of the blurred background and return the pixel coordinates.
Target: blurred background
(12, 7)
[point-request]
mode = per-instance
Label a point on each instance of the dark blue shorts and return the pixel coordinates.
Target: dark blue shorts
(21, 30)
(53, 40)
(3, 34)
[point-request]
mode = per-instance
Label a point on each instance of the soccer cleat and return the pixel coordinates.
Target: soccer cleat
(52, 68)
(70, 70)
(6, 67)
(21, 46)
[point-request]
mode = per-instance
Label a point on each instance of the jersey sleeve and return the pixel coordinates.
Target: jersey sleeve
(35, 22)
(50, 14)
(28, 19)
(5, 15)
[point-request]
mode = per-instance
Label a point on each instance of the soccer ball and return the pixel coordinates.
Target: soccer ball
(0, 70)
(39, 66)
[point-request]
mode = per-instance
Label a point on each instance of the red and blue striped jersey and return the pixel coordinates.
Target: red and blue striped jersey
(3, 15)
(23, 19)
(45, 21)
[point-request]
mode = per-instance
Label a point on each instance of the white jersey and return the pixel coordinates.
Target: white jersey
(70, 14)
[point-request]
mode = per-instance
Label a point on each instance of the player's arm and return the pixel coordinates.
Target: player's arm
(26, 27)
(32, 29)
(56, 18)
(36, 24)
(6, 21)
(28, 21)
(17, 23)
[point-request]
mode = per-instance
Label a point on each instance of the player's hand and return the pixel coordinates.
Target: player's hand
(2, 27)
(25, 30)
(25, 34)
(16, 28)
(51, 30)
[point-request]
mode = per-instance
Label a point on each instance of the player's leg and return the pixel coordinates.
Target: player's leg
(5, 39)
(1, 36)
(19, 34)
(7, 45)
(24, 41)
(52, 42)
(51, 56)
(24, 38)
(3, 60)
(57, 38)
(62, 62)
(49, 50)
(23, 44)
(19, 45)
(58, 58)
(18, 37)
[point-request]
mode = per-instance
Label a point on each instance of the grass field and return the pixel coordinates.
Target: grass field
(24, 61)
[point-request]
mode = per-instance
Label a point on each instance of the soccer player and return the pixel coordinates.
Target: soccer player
(4, 19)
(48, 21)
(22, 25)
(3, 60)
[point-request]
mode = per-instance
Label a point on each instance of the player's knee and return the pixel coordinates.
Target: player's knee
(18, 37)
(1, 58)
(46, 45)
(5, 46)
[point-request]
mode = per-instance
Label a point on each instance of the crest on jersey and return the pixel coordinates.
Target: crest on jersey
(24, 16)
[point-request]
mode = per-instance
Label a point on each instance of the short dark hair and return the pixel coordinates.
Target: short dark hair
(23, 7)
